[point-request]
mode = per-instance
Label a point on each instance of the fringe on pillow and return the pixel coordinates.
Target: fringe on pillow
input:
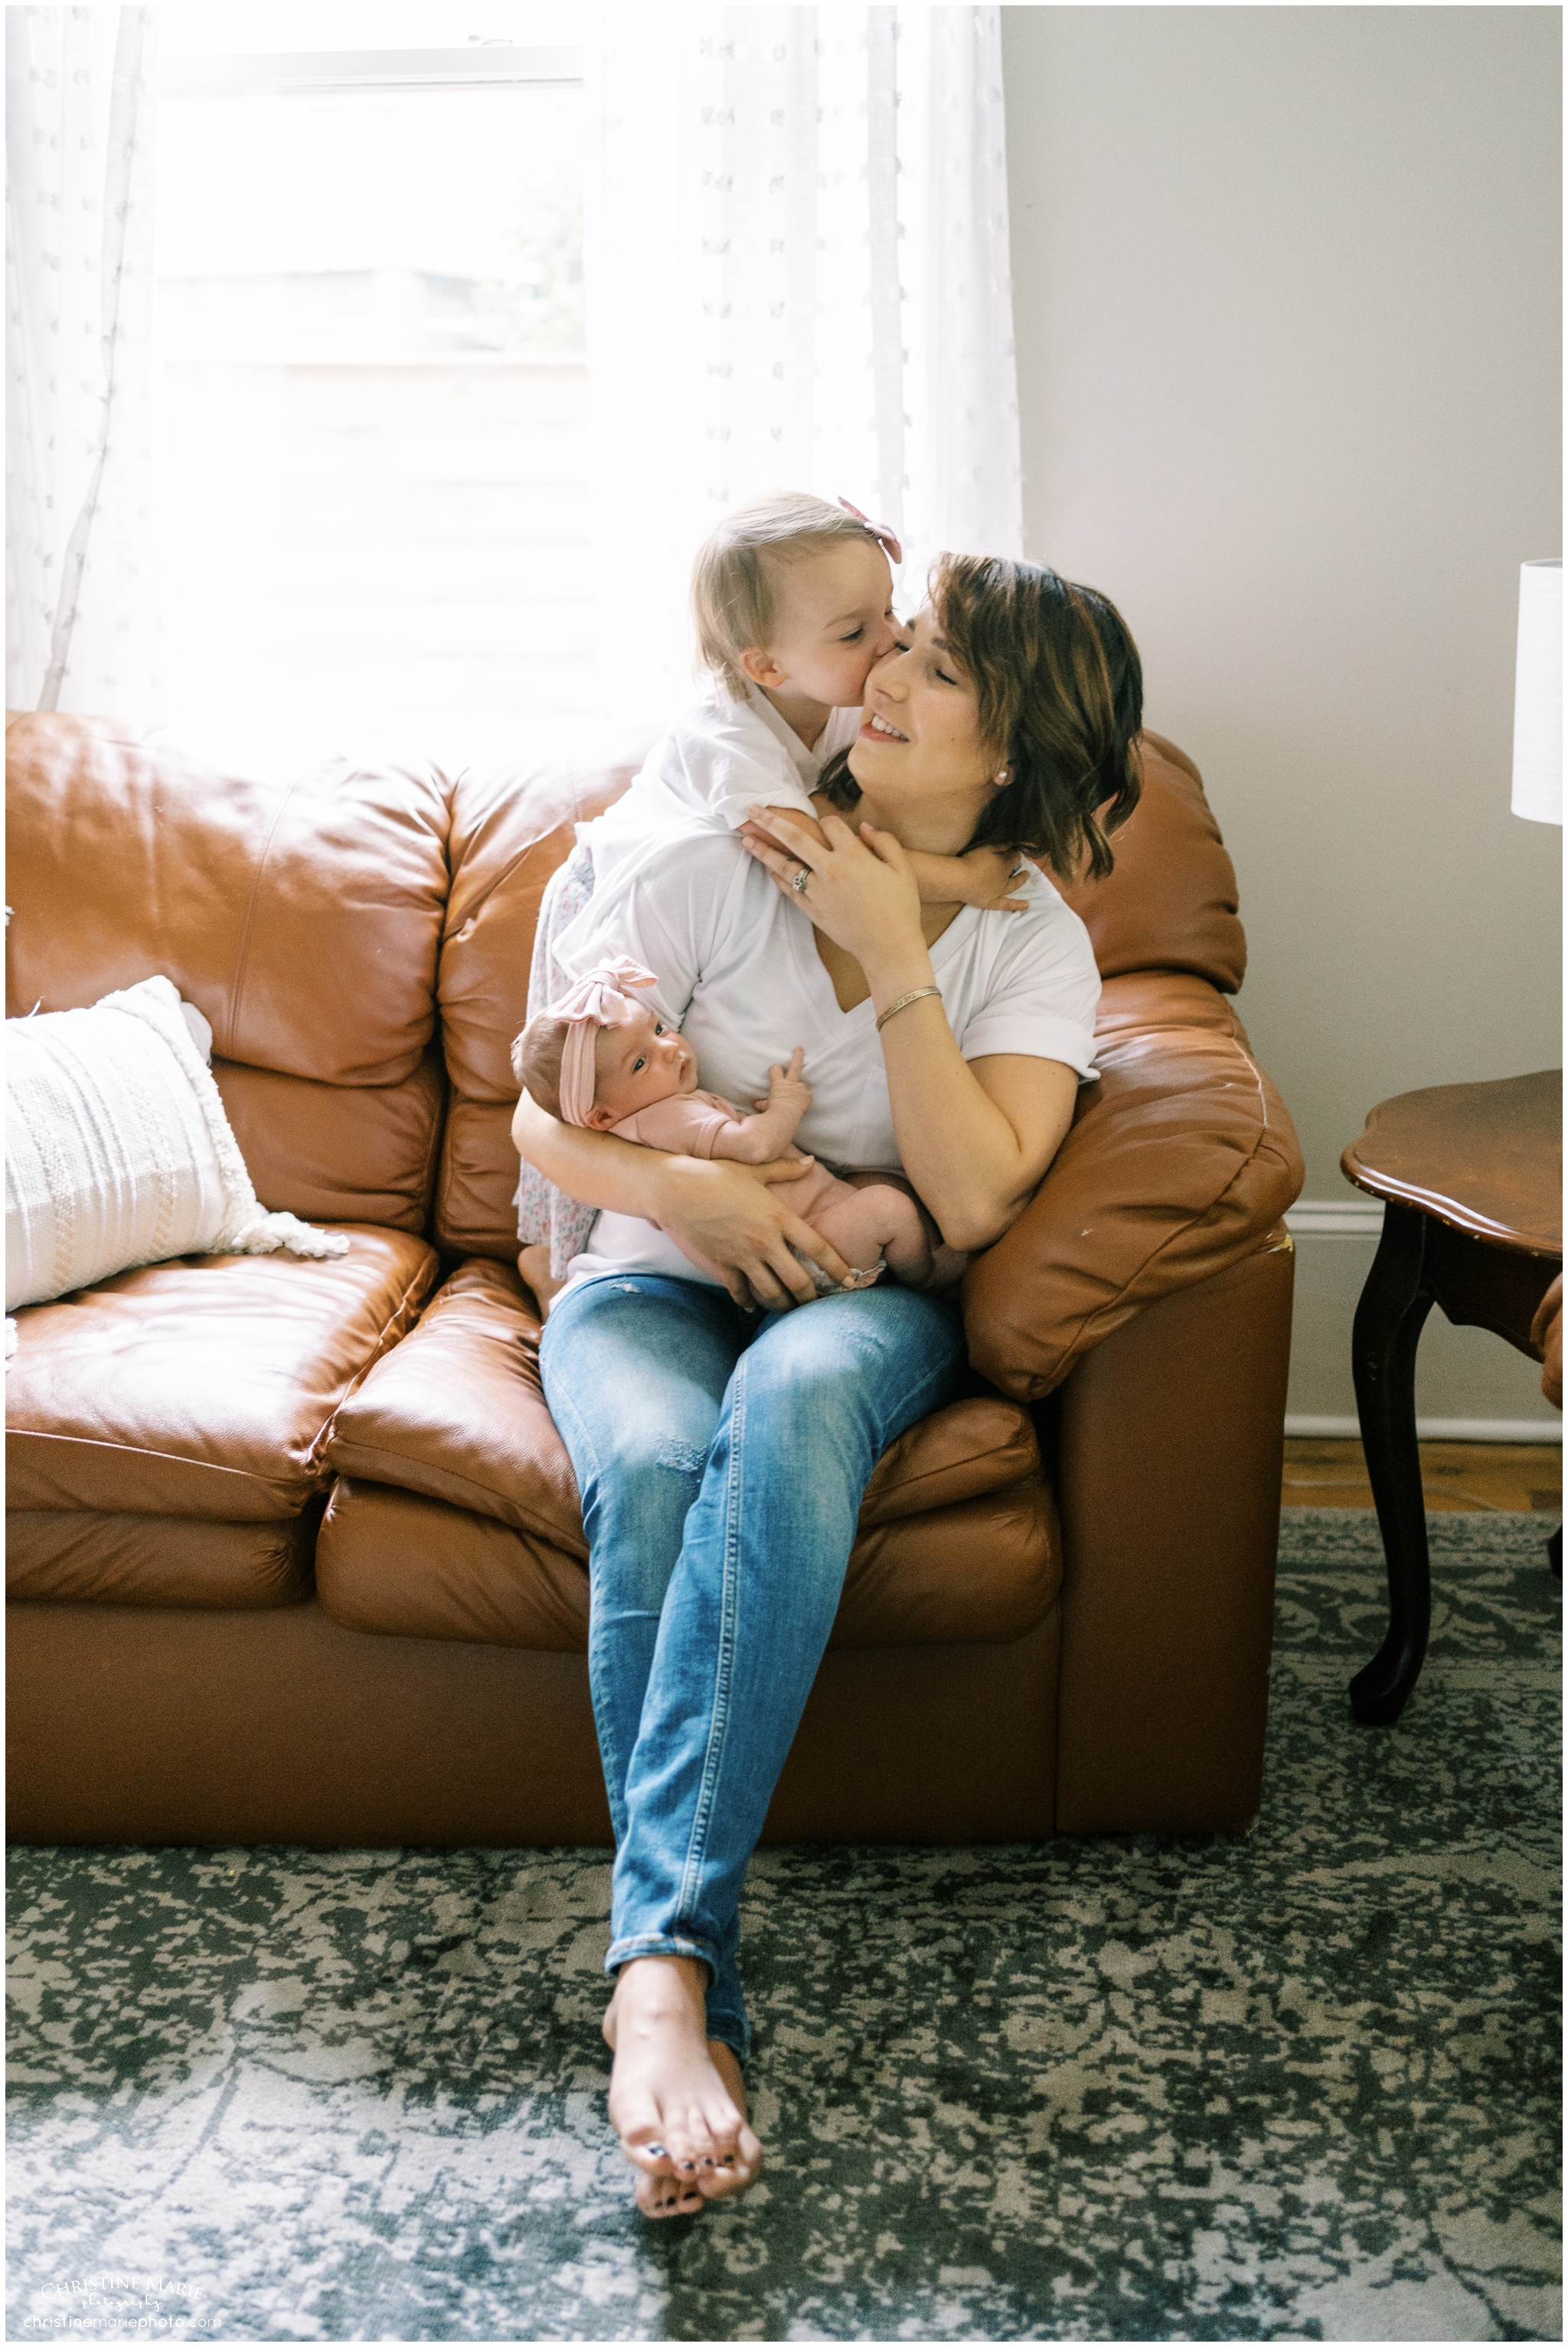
(284, 1230)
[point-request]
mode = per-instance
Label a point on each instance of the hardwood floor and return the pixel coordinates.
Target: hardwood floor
(1457, 1476)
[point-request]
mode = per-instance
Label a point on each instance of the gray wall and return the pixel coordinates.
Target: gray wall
(1288, 314)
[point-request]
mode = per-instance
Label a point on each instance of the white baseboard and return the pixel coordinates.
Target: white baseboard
(1436, 1430)
(1334, 1218)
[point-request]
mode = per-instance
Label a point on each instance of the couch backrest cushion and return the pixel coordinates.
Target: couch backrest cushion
(1171, 902)
(512, 825)
(300, 910)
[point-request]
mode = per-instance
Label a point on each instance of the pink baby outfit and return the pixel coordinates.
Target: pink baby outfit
(689, 1123)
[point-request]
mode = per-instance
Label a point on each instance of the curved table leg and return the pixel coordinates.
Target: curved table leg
(1389, 1319)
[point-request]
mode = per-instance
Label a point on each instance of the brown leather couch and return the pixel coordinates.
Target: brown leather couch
(294, 1553)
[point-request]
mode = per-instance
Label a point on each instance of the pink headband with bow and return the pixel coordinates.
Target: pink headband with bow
(876, 529)
(596, 1000)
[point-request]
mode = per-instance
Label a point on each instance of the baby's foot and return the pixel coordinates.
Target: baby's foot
(674, 2100)
(948, 1266)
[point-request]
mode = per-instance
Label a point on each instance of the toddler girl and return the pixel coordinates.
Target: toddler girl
(598, 1059)
(792, 601)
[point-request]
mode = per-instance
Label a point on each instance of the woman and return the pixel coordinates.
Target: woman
(722, 1450)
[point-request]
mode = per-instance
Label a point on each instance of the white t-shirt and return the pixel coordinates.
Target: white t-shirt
(720, 758)
(740, 975)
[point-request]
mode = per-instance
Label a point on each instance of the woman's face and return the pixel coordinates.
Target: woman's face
(919, 731)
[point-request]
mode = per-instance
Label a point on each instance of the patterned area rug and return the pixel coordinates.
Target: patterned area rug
(1301, 2087)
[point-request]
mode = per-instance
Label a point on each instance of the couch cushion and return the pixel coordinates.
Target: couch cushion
(337, 1153)
(457, 1412)
(299, 907)
(511, 827)
(395, 1563)
(204, 1387)
(1179, 1161)
(982, 1572)
(1171, 902)
(477, 1188)
(87, 1559)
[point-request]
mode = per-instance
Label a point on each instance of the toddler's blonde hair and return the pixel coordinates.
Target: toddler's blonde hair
(734, 580)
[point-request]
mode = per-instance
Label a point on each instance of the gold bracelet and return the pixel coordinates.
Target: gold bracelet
(916, 994)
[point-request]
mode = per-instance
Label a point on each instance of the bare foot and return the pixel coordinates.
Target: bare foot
(533, 1267)
(675, 2099)
(721, 2182)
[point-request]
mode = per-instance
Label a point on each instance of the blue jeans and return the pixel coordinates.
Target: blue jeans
(722, 1457)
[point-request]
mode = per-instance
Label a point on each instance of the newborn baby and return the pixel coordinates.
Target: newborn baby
(598, 1059)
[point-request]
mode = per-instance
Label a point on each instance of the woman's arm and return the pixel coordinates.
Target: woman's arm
(728, 1212)
(975, 1138)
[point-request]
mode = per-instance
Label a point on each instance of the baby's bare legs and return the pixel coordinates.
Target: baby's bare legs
(946, 1264)
(878, 1221)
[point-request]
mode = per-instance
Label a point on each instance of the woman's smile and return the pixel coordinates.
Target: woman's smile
(879, 729)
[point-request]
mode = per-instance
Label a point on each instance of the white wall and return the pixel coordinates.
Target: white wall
(1286, 291)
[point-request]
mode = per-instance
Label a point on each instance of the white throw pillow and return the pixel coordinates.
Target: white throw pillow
(118, 1152)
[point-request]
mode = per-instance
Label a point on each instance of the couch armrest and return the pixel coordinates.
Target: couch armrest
(1169, 1488)
(1179, 1161)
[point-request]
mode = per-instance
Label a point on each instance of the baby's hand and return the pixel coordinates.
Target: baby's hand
(980, 878)
(985, 873)
(786, 1086)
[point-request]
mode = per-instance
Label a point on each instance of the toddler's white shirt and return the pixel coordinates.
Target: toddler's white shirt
(718, 759)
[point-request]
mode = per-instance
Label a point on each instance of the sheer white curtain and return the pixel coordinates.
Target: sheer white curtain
(797, 277)
(82, 601)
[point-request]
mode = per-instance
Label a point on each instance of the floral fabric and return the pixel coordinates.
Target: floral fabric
(546, 1215)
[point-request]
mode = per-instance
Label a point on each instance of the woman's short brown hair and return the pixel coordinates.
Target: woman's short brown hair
(1060, 688)
(735, 578)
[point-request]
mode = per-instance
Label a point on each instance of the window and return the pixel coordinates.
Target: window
(374, 386)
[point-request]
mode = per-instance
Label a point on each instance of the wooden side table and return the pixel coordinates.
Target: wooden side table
(1471, 1180)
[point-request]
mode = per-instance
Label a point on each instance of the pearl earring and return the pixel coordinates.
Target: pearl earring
(1001, 777)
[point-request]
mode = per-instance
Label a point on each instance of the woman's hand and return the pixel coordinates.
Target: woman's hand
(861, 890)
(740, 1218)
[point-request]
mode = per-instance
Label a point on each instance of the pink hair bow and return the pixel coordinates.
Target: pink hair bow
(878, 530)
(598, 999)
